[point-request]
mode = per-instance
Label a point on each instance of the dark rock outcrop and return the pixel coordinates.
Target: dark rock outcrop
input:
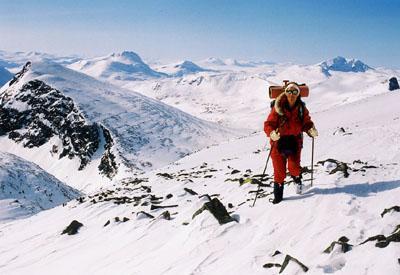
(72, 228)
(395, 208)
(393, 84)
(34, 112)
(218, 210)
(343, 242)
(108, 166)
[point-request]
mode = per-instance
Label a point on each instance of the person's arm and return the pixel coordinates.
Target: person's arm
(308, 124)
(271, 124)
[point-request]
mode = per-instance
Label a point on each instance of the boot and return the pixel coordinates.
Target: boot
(299, 184)
(278, 193)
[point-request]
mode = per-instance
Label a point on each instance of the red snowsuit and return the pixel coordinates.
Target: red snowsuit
(288, 121)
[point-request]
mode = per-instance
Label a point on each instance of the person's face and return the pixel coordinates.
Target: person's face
(292, 96)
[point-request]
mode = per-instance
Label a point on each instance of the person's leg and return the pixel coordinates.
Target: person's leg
(294, 164)
(295, 170)
(279, 163)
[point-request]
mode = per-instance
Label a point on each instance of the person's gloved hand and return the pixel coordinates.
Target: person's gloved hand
(274, 135)
(312, 132)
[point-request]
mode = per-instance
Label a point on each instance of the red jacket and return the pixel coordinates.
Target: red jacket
(288, 120)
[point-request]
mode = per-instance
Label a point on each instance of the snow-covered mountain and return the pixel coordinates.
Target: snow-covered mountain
(238, 96)
(14, 61)
(117, 66)
(161, 222)
(180, 69)
(342, 64)
(26, 189)
(5, 76)
(67, 122)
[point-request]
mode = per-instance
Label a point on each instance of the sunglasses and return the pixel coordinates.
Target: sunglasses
(292, 92)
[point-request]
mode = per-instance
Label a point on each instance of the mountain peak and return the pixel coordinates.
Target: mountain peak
(130, 56)
(342, 64)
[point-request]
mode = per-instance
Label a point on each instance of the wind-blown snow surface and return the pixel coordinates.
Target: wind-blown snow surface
(302, 226)
(26, 189)
(147, 134)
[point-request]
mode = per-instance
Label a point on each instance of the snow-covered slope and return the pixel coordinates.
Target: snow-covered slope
(116, 237)
(26, 189)
(117, 66)
(73, 126)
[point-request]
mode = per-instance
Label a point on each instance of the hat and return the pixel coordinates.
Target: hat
(292, 86)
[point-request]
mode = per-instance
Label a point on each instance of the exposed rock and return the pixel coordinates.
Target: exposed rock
(393, 84)
(190, 191)
(340, 166)
(393, 208)
(144, 214)
(343, 242)
(153, 207)
(166, 215)
(72, 228)
(269, 265)
(46, 113)
(217, 209)
(165, 175)
(277, 252)
(108, 166)
(107, 223)
(383, 241)
(289, 258)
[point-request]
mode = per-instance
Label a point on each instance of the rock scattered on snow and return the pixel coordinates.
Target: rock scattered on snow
(217, 209)
(343, 242)
(72, 228)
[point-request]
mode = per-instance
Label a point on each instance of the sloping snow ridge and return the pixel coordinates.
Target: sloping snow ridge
(144, 133)
(117, 66)
(26, 189)
(118, 236)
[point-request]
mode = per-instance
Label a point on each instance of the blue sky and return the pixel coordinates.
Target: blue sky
(304, 32)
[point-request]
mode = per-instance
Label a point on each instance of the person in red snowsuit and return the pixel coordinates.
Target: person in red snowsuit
(285, 125)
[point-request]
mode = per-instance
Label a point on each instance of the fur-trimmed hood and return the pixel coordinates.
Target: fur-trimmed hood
(281, 101)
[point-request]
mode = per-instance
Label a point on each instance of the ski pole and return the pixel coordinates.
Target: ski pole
(312, 161)
(265, 169)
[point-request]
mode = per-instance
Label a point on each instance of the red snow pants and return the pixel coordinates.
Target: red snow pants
(280, 161)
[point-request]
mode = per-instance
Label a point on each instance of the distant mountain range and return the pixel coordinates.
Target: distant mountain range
(341, 64)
